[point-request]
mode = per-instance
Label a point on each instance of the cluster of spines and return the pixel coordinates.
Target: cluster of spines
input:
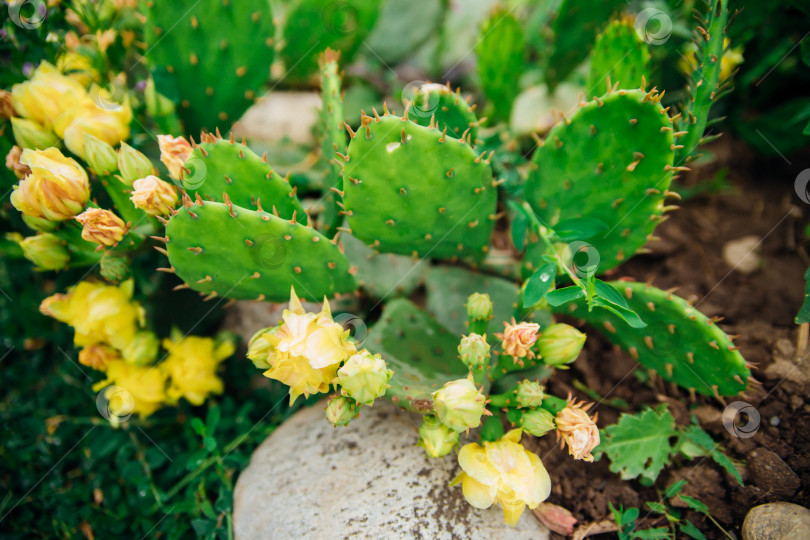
(462, 103)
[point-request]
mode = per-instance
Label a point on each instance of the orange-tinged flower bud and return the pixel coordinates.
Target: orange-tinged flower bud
(29, 134)
(174, 151)
(578, 430)
(101, 226)
(154, 196)
(7, 109)
(46, 95)
(98, 356)
(13, 162)
(56, 189)
(518, 339)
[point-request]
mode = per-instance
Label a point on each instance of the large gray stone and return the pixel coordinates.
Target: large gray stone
(368, 480)
(777, 521)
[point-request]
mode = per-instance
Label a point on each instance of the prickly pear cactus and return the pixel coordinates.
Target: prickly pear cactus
(438, 103)
(383, 275)
(313, 25)
(333, 138)
(217, 52)
(219, 166)
(612, 160)
(575, 29)
(420, 351)
(220, 249)
(619, 56)
(679, 342)
(413, 190)
(500, 51)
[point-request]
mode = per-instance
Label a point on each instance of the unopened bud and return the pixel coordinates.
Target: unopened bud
(29, 134)
(459, 404)
(474, 350)
(479, 306)
(560, 344)
(142, 349)
(100, 155)
(537, 422)
(46, 251)
(364, 377)
(341, 410)
(101, 226)
(262, 346)
(133, 164)
(113, 268)
(529, 394)
(437, 439)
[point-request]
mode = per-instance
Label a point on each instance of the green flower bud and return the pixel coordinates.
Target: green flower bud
(341, 410)
(133, 164)
(157, 104)
(459, 405)
(100, 155)
(560, 344)
(474, 350)
(537, 422)
(29, 134)
(114, 268)
(46, 251)
(364, 377)
(479, 306)
(142, 349)
(437, 439)
(40, 224)
(529, 394)
(262, 346)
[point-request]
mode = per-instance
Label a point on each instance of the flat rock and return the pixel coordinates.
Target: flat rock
(770, 473)
(777, 521)
(367, 480)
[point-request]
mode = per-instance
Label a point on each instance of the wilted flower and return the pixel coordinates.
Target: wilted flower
(560, 344)
(479, 306)
(529, 394)
(578, 430)
(364, 377)
(56, 189)
(437, 439)
(101, 226)
(503, 472)
(7, 109)
(133, 164)
(29, 134)
(153, 196)
(135, 389)
(46, 95)
(459, 404)
(174, 152)
(537, 422)
(46, 251)
(98, 356)
(518, 339)
(13, 162)
(474, 350)
(341, 410)
(192, 367)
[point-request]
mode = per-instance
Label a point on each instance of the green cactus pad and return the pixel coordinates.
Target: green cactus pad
(679, 342)
(333, 139)
(221, 249)
(438, 103)
(312, 26)
(620, 56)
(612, 160)
(383, 275)
(420, 351)
(575, 29)
(410, 189)
(500, 51)
(218, 52)
(218, 166)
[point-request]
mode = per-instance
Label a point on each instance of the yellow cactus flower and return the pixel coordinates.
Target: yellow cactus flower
(192, 367)
(503, 472)
(297, 373)
(154, 196)
(101, 116)
(56, 189)
(98, 313)
(578, 430)
(174, 152)
(132, 389)
(101, 226)
(46, 95)
(731, 59)
(78, 67)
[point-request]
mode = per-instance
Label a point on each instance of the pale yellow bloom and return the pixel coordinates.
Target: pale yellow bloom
(77, 66)
(133, 389)
(46, 95)
(297, 373)
(192, 367)
(174, 152)
(101, 226)
(518, 339)
(578, 430)
(56, 189)
(503, 472)
(154, 196)
(101, 115)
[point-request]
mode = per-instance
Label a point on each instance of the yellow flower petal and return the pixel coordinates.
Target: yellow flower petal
(476, 493)
(473, 460)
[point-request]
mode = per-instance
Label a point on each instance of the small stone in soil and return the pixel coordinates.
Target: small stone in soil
(777, 521)
(770, 473)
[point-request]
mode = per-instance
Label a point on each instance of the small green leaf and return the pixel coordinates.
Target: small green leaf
(657, 507)
(609, 294)
(198, 426)
(563, 296)
(210, 443)
(658, 533)
(579, 228)
(674, 489)
(695, 504)
(539, 284)
(688, 528)
(212, 420)
(627, 315)
(207, 509)
(804, 312)
(520, 226)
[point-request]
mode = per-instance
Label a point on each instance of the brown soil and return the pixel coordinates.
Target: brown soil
(759, 308)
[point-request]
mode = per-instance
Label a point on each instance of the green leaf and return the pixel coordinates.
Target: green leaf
(804, 312)
(688, 528)
(695, 504)
(627, 315)
(212, 421)
(697, 443)
(674, 489)
(639, 445)
(210, 443)
(609, 294)
(652, 534)
(657, 507)
(198, 426)
(563, 296)
(207, 509)
(539, 284)
(579, 228)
